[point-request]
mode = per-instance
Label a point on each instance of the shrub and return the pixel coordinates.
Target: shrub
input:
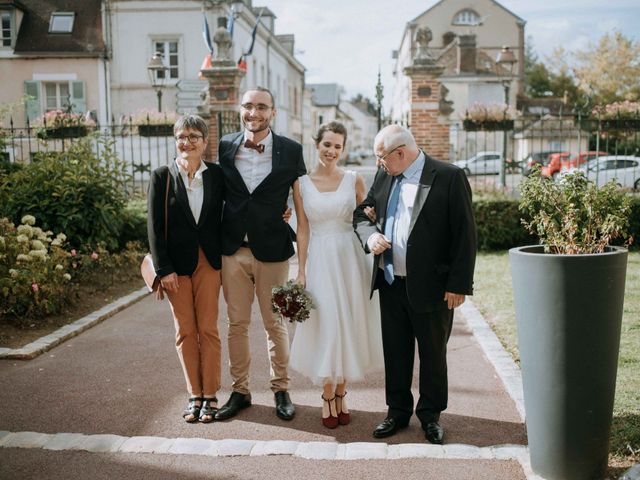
(74, 191)
(135, 223)
(498, 224)
(574, 215)
(34, 273)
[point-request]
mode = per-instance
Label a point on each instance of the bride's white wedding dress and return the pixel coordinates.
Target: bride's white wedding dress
(342, 338)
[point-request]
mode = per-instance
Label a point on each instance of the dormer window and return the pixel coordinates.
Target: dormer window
(466, 17)
(61, 22)
(6, 28)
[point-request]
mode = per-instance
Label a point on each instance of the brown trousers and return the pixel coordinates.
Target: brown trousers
(195, 315)
(243, 277)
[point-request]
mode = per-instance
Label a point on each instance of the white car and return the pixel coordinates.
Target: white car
(625, 169)
(483, 163)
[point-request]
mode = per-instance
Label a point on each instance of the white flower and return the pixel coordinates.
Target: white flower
(56, 243)
(2, 242)
(39, 254)
(24, 230)
(23, 258)
(13, 272)
(66, 276)
(22, 239)
(29, 220)
(59, 267)
(38, 245)
(61, 236)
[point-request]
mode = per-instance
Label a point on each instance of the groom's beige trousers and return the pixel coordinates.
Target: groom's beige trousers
(243, 277)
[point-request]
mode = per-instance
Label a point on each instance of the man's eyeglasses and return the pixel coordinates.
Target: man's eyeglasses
(192, 139)
(380, 159)
(261, 107)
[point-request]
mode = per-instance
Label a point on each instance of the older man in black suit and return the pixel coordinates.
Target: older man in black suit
(259, 169)
(425, 247)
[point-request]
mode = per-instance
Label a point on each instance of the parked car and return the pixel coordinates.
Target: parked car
(552, 169)
(483, 163)
(624, 169)
(539, 158)
(579, 159)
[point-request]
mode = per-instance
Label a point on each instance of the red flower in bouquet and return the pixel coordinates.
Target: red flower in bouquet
(291, 301)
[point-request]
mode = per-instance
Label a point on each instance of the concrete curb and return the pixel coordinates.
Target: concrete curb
(47, 342)
(235, 447)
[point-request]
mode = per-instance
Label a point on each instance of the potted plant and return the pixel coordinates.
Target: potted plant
(568, 296)
(488, 117)
(62, 124)
(154, 124)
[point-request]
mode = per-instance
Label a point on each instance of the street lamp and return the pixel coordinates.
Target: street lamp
(379, 97)
(506, 60)
(157, 74)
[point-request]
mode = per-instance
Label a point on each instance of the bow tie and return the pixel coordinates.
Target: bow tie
(258, 147)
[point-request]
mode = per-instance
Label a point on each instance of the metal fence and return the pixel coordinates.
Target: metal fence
(142, 148)
(496, 155)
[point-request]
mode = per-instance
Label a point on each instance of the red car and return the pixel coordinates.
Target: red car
(582, 157)
(555, 162)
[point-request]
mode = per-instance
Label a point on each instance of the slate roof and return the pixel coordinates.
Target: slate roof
(325, 94)
(85, 39)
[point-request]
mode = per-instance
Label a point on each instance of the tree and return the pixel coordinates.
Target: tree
(610, 70)
(552, 79)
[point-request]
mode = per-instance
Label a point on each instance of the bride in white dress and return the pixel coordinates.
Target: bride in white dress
(342, 339)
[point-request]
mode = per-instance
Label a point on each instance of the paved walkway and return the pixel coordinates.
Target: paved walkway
(107, 404)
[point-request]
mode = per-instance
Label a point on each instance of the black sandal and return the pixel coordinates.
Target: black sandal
(208, 410)
(192, 409)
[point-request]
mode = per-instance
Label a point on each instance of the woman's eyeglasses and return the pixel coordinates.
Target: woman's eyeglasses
(188, 138)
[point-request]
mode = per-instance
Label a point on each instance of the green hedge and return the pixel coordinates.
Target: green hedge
(499, 226)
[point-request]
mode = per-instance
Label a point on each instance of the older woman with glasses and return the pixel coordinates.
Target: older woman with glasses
(185, 245)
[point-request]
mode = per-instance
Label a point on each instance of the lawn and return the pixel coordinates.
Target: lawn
(493, 297)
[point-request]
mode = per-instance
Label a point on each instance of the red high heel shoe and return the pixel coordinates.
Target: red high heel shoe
(344, 417)
(329, 412)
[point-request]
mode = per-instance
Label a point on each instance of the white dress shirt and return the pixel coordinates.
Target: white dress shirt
(408, 190)
(195, 189)
(253, 166)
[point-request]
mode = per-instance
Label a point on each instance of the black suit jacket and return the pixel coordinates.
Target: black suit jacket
(258, 214)
(441, 247)
(179, 253)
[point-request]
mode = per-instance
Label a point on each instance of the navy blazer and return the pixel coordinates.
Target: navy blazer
(179, 253)
(258, 214)
(441, 247)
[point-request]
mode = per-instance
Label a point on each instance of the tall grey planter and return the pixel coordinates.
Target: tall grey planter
(569, 314)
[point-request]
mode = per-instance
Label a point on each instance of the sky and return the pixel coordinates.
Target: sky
(347, 41)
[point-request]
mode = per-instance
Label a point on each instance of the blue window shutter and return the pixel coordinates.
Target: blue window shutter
(32, 104)
(78, 99)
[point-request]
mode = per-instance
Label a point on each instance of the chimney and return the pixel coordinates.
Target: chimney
(466, 50)
(287, 41)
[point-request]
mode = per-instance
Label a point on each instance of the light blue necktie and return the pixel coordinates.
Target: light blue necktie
(387, 255)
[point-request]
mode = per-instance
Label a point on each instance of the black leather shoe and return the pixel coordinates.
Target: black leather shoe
(388, 427)
(237, 401)
(434, 432)
(284, 408)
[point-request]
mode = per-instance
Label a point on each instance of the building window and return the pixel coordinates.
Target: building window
(466, 17)
(7, 37)
(169, 51)
(56, 95)
(61, 22)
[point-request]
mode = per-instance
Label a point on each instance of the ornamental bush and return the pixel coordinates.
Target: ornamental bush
(73, 191)
(34, 273)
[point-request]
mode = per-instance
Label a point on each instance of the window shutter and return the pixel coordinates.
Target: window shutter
(32, 104)
(78, 97)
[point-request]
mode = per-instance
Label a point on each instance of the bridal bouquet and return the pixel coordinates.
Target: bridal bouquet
(291, 301)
